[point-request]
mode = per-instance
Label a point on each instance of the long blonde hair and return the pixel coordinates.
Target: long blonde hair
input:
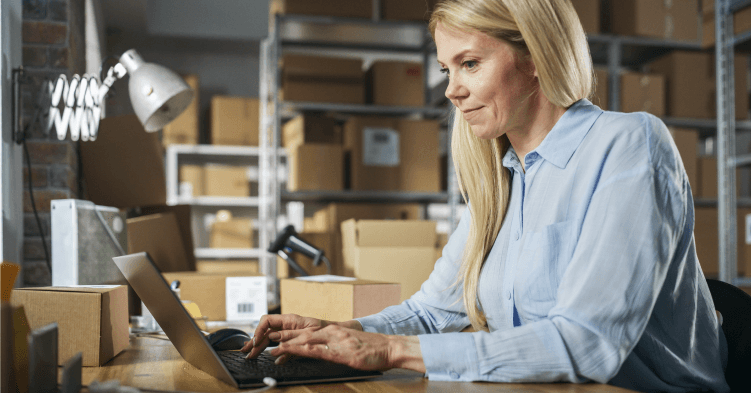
(549, 32)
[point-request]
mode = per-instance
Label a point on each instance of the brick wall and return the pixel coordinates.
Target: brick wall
(53, 43)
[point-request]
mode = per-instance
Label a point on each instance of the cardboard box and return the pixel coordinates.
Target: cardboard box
(741, 23)
(123, 167)
(322, 79)
(192, 181)
(311, 129)
(706, 235)
(184, 129)
(396, 83)
(234, 121)
(687, 141)
(392, 251)
(210, 293)
(340, 8)
(315, 167)
(183, 216)
(232, 233)
(417, 10)
(690, 84)
(643, 93)
(392, 154)
(335, 298)
(92, 320)
(707, 171)
(589, 14)
(600, 94)
(324, 241)
(159, 235)
(233, 267)
(673, 20)
(227, 181)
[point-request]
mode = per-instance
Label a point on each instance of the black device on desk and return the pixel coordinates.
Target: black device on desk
(288, 241)
(230, 367)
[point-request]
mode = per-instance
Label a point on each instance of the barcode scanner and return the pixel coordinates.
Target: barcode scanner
(288, 242)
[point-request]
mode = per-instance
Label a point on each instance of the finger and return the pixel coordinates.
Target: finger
(259, 346)
(285, 335)
(318, 351)
(247, 346)
(284, 358)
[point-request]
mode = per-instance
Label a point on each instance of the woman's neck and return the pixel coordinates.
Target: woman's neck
(537, 123)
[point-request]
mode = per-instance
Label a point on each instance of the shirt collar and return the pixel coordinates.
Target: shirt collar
(567, 134)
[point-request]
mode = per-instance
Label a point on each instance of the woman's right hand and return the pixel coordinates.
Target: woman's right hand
(275, 323)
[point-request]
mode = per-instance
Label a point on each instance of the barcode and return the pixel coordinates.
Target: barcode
(244, 308)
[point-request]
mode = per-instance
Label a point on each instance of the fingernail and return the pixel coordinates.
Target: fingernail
(248, 356)
(253, 340)
(278, 361)
(275, 336)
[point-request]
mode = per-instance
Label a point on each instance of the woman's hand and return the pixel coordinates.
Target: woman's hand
(357, 349)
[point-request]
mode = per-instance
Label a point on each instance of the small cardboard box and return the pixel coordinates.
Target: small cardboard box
(392, 154)
(643, 93)
(589, 14)
(232, 233)
(707, 174)
(223, 296)
(417, 10)
(707, 243)
(322, 79)
(224, 180)
(90, 319)
(193, 179)
(236, 267)
(184, 129)
(741, 23)
(160, 236)
(311, 129)
(234, 120)
(393, 251)
(672, 20)
(314, 166)
(336, 298)
(600, 94)
(687, 141)
(396, 83)
(340, 8)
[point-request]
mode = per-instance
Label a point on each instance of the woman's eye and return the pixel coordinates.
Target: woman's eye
(469, 64)
(445, 71)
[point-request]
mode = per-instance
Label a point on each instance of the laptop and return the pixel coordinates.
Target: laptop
(230, 367)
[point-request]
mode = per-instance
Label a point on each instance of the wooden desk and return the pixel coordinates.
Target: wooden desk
(155, 364)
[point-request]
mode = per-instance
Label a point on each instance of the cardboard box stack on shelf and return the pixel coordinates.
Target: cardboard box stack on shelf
(416, 10)
(184, 129)
(315, 154)
(741, 22)
(339, 8)
(234, 120)
(226, 181)
(322, 79)
(707, 178)
(393, 251)
(691, 87)
(672, 20)
(687, 141)
(231, 232)
(391, 154)
(396, 83)
(643, 92)
(589, 15)
(192, 181)
(707, 243)
(235, 267)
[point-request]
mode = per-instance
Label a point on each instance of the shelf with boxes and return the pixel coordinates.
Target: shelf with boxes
(361, 143)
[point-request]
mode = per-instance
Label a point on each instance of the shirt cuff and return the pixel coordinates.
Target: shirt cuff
(375, 323)
(449, 356)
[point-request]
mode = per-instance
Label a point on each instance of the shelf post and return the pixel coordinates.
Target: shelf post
(726, 200)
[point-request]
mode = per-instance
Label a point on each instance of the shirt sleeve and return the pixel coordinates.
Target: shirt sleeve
(635, 222)
(437, 307)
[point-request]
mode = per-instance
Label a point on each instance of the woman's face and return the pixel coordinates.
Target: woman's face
(488, 81)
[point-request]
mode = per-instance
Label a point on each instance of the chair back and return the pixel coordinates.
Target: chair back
(735, 307)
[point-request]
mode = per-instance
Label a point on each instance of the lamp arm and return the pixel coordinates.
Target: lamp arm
(114, 73)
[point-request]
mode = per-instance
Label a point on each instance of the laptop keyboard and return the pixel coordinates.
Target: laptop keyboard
(295, 370)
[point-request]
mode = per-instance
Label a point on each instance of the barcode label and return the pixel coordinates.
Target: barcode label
(245, 308)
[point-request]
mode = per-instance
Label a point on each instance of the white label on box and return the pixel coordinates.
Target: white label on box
(748, 229)
(326, 278)
(246, 298)
(380, 147)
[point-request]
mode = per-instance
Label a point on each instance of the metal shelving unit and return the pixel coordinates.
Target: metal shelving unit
(296, 32)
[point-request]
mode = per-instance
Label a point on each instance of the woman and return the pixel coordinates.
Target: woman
(575, 260)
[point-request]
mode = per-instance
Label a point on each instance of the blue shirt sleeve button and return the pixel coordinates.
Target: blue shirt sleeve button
(454, 375)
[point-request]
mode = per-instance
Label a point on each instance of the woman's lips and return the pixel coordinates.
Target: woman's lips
(470, 112)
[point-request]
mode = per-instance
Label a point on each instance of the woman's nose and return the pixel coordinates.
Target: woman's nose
(454, 89)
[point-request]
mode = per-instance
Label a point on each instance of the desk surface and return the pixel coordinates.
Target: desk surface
(150, 363)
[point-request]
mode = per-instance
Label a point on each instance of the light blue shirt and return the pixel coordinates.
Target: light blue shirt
(598, 255)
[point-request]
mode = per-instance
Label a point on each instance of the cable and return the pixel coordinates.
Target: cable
(31, 189)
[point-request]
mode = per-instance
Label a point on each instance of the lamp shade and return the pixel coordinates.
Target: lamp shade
(157, 94)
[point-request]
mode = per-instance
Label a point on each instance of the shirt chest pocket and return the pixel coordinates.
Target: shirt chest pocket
(543, 260)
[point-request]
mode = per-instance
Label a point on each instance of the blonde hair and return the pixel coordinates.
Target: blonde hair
(549, 32)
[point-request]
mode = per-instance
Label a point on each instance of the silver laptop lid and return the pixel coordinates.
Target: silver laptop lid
(166, 308)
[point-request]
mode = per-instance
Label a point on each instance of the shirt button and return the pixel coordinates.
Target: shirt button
(516, 236)
(508, 295)
(454, 375)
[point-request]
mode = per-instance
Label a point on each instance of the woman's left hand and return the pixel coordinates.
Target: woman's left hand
(364, 351)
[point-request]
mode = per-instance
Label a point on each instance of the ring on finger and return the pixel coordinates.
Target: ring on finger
(326, 347)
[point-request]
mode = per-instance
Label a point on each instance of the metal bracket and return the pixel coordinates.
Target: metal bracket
(19, 77)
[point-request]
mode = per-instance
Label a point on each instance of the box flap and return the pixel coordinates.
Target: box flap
(183, 216)
(159, 235)
(75, 288)
(397, 233)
